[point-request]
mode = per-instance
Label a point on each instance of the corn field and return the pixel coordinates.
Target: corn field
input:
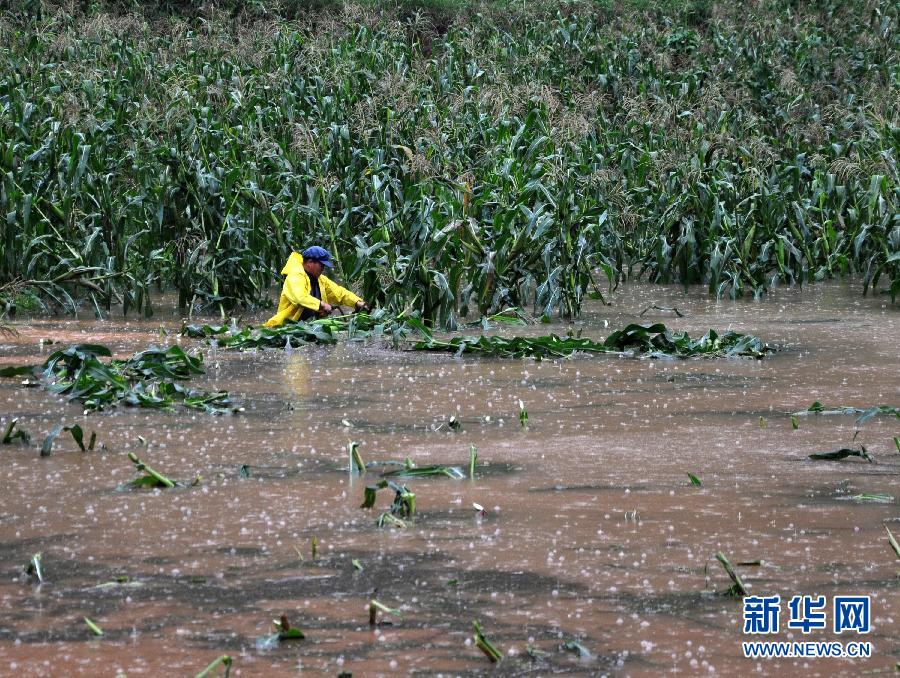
(456, 160)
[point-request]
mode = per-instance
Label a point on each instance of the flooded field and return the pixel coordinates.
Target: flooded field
(593, 531)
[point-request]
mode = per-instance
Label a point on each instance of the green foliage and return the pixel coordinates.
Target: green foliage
(457, 158)
(146, 379)
(10, 435)
(654, 340)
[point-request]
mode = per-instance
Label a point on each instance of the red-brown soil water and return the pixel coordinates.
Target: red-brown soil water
(592, 530)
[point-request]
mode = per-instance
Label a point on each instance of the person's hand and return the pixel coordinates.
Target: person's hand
(325, 309)
(362, 306)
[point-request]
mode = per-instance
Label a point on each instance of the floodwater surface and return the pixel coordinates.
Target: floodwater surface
(592, 531)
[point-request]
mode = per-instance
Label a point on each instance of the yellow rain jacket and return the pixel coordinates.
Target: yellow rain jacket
(295, 295)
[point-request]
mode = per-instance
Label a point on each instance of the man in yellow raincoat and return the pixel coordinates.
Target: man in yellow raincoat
(307, 293)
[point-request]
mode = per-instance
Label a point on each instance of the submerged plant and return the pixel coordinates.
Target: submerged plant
(426, 471)
(654, 340)
(843, 453)
(11, 436)
(357, 465)
(375, 607)
(223, 660)
(96, 630)
(146, 379)
(485, 645)
(151, 478)
(283, 632)
(737, 585)
(402, 508)
(893, 542)
(34, 568)
(77, 436)
(577, 648)
(864, 413)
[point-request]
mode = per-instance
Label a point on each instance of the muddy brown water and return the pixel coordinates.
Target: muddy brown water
(592, 532)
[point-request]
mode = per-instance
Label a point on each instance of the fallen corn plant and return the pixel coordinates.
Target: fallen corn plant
(695, 481)
(283, 632)
(34, 568)
(653, 340)
(375, 607)
(864, 413)
(404, 504)
(223, 660)
(426, 471)
(843, 453)
(357, 465)
(485, 645)
(77, 436)
(874, 497)
(150, 477)
(146, 379)
(893, 542)
(96, 630)
(737, 585)
(665, 309)
(408, 468)
(577, 648)
(328, 330)
(10, 436)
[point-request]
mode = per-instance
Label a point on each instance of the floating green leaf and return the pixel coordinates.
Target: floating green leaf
(694, 480)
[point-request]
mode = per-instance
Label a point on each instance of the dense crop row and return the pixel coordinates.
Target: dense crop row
(455, 167)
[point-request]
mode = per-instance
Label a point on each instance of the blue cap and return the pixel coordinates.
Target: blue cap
(316, 253)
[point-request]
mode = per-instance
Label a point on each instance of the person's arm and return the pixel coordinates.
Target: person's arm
(296, 289)
(341, 295)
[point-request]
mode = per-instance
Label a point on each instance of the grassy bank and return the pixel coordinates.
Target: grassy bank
(457, 158)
